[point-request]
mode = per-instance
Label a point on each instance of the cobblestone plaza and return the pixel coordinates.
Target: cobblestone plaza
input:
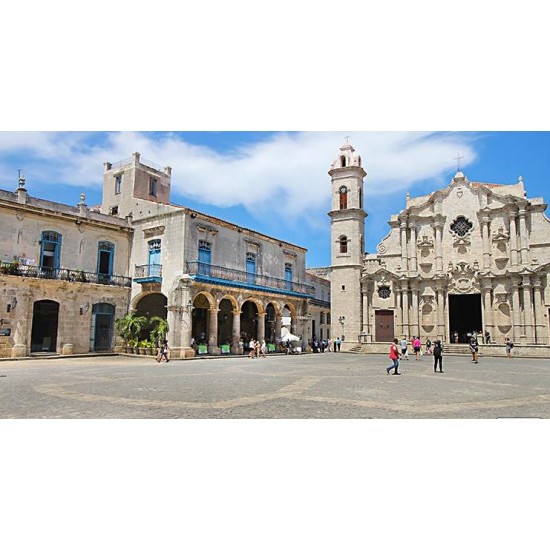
(330, 385)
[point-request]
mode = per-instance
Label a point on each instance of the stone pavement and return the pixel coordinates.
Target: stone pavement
(331, 385)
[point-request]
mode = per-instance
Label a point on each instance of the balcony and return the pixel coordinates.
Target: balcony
(72, 275)
(234, 277)
(148, 273)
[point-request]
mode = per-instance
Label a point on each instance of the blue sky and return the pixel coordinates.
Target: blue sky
(276, 182)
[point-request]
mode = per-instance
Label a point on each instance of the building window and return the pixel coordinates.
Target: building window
(322, 318)
(50, 250)
(343, 244)
(343, 192)
(105, 256)
(154, 258)
(288, 276)
(320, 333)
(205, 257)
(328, 319)
(153, 187)
(343, 161)
(113, 210)
(461, 226)
(118, 184)
(384, 292)
(250, 268)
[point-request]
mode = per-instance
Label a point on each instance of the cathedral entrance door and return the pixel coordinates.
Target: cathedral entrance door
(464, 315)
(384, 330)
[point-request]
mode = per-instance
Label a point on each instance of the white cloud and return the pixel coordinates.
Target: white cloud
(286, 170)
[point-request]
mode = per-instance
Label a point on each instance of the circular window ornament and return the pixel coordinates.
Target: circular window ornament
(384, 292)
(343, 190)
(461, 226)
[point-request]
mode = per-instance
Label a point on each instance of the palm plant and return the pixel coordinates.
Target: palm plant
(131, 325)
(160, 330)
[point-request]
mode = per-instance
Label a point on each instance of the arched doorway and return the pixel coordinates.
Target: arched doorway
(249, 321)
(225, 325)
(45, 318)
(102, 327)
(199, 329)
(152, 305)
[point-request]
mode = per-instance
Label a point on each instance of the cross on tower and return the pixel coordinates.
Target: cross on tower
(347, 138)
(458, 158)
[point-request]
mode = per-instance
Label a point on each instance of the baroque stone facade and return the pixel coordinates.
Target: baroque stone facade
(470, 256)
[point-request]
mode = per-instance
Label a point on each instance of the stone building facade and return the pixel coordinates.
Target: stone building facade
(470, 256)
(216, 282)
(63, 276)
(68, 272)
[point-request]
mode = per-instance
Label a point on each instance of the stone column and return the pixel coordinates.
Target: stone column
(174, 319)
(414, 323)
(513, 239)
(405, 294)
(485, 235)
(523, 237)
(438, 228)
(488, 317)
(278, 327)
(261, 326)
(213, 331)
(528, 310)
(541, 333)
(440, 297)
(404, 259)
(518, 336)
(366, 311)
(236, 332)
(412, 247)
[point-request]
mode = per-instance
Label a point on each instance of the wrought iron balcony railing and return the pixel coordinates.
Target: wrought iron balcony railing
(73, 275)
(153, 271)
(245, 278)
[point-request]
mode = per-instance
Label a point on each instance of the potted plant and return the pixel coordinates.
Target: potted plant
(129, 328)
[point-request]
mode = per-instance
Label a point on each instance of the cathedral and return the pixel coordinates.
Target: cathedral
(471, 256)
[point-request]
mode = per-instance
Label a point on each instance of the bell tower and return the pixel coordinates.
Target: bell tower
(347, 245)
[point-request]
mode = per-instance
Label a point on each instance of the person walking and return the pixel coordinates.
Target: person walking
(252, 349)
(438, 355)
(163, 352)
(417, 347)
(394, 356)
(474, 347)
(338, 343)
(428, 346)
(509, 346)
(263, 349)
(404, 351)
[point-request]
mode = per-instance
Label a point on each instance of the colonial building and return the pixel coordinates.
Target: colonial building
(63, 276)
(470, 256)
(69, 272)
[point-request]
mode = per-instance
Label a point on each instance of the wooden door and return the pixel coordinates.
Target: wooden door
(384, 329)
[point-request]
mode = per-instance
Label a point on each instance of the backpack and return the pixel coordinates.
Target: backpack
(437, 348)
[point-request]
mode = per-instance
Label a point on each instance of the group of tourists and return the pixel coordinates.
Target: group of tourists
(399, 349)
(396, 354)
(257, 349)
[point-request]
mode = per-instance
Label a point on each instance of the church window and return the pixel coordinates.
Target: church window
(288, 276)
(461, 226)
(384, 292)
(118, 184)
(250, 268)
(343, 191)
(343, 244)
(343, 161)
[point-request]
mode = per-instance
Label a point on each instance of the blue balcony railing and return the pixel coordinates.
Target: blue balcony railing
(73, 275)
(246, 278)
(148, 273)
